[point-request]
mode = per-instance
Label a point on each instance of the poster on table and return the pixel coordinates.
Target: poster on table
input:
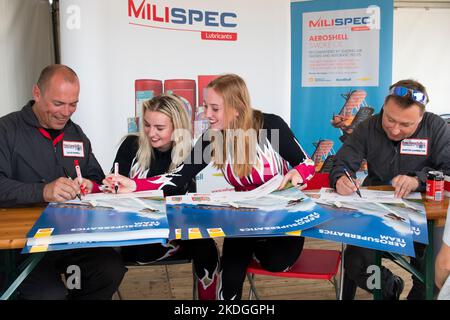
(273, 214)
(373, 225)
(100, 220)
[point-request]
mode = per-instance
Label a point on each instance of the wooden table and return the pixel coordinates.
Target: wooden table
(436, 215)
(16, 222)
(14, 226)
(436, 211)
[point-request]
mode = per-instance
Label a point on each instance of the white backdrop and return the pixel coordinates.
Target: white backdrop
(26, 47)
(109, 54)
(422, 52)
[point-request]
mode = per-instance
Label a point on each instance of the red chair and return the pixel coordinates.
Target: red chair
(312, 264)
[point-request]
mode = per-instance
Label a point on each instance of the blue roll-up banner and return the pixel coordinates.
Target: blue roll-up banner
(341, 63)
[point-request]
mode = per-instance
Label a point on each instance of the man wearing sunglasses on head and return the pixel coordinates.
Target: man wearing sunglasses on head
(401, 145)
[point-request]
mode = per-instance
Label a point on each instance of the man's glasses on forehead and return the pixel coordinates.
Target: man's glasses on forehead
(415, 95)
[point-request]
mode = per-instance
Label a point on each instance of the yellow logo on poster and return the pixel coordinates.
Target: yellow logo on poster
(194, 233)
(45, 232)
(215, 232)
(39, 248)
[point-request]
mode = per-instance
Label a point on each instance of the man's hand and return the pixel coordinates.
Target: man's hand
(345, 187)
(404, 185)
(61, 189)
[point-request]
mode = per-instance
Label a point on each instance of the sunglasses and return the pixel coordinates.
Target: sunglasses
(415, 95)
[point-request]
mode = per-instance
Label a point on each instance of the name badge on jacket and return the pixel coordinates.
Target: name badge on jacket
(417, 147)
(73, 149)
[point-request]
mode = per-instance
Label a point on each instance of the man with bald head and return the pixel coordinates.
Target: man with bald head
(38, 145)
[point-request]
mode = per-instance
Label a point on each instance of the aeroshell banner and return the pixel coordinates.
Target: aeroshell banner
(341, 64)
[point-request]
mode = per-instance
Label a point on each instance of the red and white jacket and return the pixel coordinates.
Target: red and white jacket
(276, 150)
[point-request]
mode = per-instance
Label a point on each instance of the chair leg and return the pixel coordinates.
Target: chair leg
(341, 275)
(195, 284)
(337, 288)
(252, 291)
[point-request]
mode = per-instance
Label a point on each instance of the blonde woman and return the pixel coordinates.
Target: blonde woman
(250, 147)
(161, 145)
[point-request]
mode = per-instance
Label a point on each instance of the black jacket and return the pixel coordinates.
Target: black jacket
(126, 157)
(28, 160)
(369, 141)
(276, 148)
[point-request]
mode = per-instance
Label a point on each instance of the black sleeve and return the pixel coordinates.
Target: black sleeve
(351, 154)
(125, 155)
(289, 147)
(178, 180)
(440, 150)
(14, 192)
(283, 141)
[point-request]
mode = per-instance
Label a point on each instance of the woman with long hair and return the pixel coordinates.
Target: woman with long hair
(250, 147)
(164, 137)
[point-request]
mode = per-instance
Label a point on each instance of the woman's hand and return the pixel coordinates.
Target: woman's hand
(124, 184)
(295, 178)
(86, 186)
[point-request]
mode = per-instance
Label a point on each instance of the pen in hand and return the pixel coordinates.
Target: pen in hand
(353, 181)
(79, 176)
(116, 172)
(69, 177)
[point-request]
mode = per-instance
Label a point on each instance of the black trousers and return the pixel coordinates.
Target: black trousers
(101, 272)
(356, 262)
(275, 254)
(203, 252)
